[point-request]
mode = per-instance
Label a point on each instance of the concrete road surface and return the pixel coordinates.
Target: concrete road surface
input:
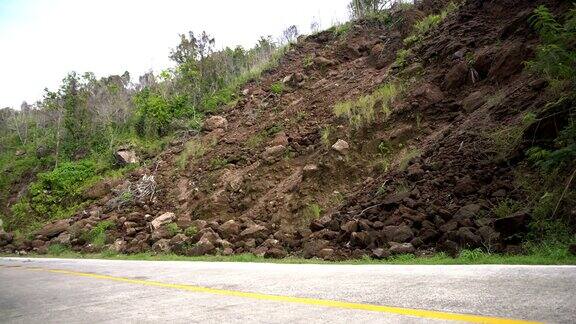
(90, 291)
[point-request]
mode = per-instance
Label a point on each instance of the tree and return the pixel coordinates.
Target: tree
(362, 8)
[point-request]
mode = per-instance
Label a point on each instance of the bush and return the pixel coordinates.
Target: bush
(97, 235)
(155, 113)
(555, 57)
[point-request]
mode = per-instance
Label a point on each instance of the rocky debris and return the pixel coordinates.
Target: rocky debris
(400, 234)
(215, 122)
(326, 254)
(323, 62)
(53, 229)
(401, 248)
(125, 156)
(293, 79)
(229, 229)
(275, 253)
(380, 253)
(161, 246)
(513, 224)
(341, 146)
(272, 154)
(254, 231)
(474, 101)
(457, 76)
(161, 220)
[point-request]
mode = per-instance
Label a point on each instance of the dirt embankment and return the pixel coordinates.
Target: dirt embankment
(279, 173)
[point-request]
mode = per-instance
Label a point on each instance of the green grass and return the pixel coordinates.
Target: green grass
(192, 150)
(362, 111)
(277, 88)
(537, 255)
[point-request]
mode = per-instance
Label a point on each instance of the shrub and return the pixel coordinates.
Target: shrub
(555, 57)
(506, 139)
(401, 57)
(155, 113)
(173, 229)
(191, 231)
(97, 235)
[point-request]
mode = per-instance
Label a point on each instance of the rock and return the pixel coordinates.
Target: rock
(380, 253)
(360, 239)
(465, 186)
(326, 254)
(227, 251)
(253, 231)
(538, 84)
(63, 238)
(246, 92)
(178, 240)
(273, 153)
(201, 248)
(427, 95)
(399, 234)
(209, 236)
(508, 61)
(309, 171)
(119, 246)
(312, 248)
(467, 212)
(162, 220)
(473, 101)
(37, 243)
(457, 76)
(323, 62)
(350, 226)
(393, 200)
(125, 157)
(215, 122)
(377, 57)
(275, 253)
(514, 224)
(161, 246)
(501, 193)
(401, 248)
(5, 238)
(229, 228)
(468, 238)
(417, 242)
(54, 229)
(279, 139)
(341, 146)
(449, 247)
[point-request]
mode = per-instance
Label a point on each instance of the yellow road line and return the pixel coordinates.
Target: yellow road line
(428, 314)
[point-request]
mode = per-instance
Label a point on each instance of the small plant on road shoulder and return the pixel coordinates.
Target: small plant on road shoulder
(57, 249)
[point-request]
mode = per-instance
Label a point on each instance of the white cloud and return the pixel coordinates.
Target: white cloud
(42, 40)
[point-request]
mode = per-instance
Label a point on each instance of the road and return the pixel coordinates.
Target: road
(79, 291)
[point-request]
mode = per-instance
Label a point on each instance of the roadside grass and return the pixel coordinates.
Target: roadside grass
(545, 254)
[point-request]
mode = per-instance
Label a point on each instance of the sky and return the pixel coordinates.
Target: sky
(42, 40)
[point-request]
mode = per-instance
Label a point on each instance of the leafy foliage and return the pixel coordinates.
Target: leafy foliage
(555, 57)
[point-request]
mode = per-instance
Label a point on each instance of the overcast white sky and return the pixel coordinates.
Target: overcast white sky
(42, 40)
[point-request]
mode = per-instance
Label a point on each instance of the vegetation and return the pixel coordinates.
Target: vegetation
(65, 142)
(361, 112)
(97, 235)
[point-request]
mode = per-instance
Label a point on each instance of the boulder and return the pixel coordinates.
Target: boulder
(253, 231)
(275, 253)
(457, 76)
(215, 122)
(63, 238)
(54, 229)
(126, 156)
(326, 254)
(401, 248)
(162, 220)
(399, 234)
(341, 146)
(312, 248)
(468, 211)
(473, 101)
(201, 248)
(229, 228)
(119, 246)
(468, 238)
(380, 253)
(514, 224)
(161, 246)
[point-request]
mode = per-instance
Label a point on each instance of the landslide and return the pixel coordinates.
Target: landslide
(279, 173)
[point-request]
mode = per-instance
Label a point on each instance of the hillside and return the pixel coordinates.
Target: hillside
(419, 129)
